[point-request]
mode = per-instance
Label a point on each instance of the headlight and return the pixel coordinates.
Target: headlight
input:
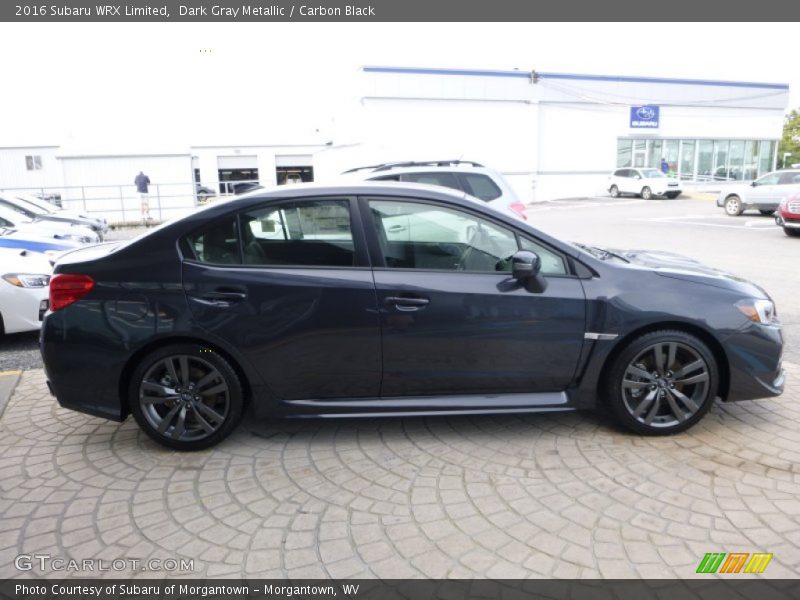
(83, 239)
(758, 311)
(27, 280)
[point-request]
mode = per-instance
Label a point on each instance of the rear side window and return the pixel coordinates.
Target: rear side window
(790, 178)
(217, 243)
(314, 233)
(621, 173)
(443, 179)
(480, 186)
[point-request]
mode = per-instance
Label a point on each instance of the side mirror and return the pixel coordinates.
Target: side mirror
(754, 184)
(525, 268)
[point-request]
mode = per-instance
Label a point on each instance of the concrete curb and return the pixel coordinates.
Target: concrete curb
(8, 381)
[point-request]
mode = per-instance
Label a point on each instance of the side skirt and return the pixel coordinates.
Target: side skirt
(427, 405)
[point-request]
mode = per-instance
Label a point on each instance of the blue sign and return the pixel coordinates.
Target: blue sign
(644, 117)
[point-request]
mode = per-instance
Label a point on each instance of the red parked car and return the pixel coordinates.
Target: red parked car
(788, 215)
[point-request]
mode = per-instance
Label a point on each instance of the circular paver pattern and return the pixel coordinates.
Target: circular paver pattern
(554, 495)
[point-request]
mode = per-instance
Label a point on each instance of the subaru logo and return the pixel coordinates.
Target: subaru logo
(645, 113)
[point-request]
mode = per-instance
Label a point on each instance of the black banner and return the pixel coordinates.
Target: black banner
(734, 588)
(399, 10)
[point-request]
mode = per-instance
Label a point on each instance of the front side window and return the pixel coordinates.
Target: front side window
(426, 236)
(770, 179)
(480, 186)
(310, 233)
(790, 178)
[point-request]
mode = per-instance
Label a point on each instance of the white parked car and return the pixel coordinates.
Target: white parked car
(646, 183)
(466, 176)
(764, 194)
(24, 280)
(56, 213)
(59, 230)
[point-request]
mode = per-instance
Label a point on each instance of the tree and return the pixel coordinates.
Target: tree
(790, 142)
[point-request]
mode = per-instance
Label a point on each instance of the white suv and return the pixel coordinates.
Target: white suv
(466, 176)
(646, 183)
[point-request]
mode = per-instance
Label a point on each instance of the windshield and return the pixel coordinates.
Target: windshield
(35, 203)
(30, 206)
(651, 173)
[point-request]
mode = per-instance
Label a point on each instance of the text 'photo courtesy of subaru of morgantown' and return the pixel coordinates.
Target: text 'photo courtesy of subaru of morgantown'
(378, 299)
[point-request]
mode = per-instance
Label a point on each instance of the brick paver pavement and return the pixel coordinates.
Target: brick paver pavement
(561, 495)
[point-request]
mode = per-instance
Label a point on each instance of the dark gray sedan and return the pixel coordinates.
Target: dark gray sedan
(393, 299)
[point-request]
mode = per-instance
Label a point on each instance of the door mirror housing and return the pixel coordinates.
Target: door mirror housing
(526, 268)
(754, 184)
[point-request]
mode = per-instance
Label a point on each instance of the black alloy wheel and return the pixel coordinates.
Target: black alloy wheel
(186, 397)
(662, 383)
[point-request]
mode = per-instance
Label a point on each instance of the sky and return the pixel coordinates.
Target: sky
(234, 83)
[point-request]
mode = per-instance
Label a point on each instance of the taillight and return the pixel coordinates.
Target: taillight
(66, 288)
(519, 208)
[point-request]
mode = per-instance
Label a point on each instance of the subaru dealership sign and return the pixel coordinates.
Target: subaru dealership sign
(644, 117)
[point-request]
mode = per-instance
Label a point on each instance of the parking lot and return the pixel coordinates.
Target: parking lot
(562, 495)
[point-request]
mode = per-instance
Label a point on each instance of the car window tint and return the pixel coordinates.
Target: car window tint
(387, 178)
(217, 243)
(790, 178)
(553, 263)
(310, 233)
(620, 173)
(426, 236)
(770, 179)
(480, 186)
(443, 179)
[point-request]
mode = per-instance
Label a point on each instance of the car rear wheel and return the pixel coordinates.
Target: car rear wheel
(186, 397)
(733, 206)
(672, 195)
(662, 383)
(614, 191)
(791, 232)
(647, 193)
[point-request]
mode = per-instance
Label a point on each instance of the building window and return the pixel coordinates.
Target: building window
(33, 163)
(289, 175)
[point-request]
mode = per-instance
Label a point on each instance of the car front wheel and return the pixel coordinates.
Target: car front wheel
(647, 193)
(614, 191)
(791, 232)
(662, 383)
(186, 397)
(733, 206)
(766, 213)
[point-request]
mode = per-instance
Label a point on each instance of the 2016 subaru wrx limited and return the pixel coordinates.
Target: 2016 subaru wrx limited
(393, 299)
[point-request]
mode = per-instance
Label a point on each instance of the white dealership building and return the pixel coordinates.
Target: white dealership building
(552, 134)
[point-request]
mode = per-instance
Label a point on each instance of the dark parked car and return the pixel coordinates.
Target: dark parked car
(378, 299)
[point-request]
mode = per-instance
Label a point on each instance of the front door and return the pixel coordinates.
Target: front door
(453, 320)
(289, 286)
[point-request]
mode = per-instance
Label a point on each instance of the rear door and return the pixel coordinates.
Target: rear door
(453, 320)
(289, 285)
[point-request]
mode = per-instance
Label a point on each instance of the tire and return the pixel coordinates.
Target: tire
(791, 232)
(766, 213)
(652, 400)
(733, 206)
(614, 191)
(646, 193)
(189, 420)
(672, 196)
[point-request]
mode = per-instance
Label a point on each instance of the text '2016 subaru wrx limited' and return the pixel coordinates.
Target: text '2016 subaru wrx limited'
(393, 299)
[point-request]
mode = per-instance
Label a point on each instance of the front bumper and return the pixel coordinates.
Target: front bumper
(755, 356)
(782, 222)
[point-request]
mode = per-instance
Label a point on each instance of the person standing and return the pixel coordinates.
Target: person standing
(664, 166)
(142, 182)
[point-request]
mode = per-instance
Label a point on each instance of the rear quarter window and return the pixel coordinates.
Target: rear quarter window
(480, 186)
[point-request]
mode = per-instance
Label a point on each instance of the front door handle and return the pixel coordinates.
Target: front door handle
(407, 304)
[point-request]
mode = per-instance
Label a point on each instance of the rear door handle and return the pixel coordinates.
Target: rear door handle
(220, 298)
(229, 296)
(402, 303)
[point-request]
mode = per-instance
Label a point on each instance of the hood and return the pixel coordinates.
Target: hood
(676, 266)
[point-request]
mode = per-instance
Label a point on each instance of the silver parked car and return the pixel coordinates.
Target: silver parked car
(764, 194)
